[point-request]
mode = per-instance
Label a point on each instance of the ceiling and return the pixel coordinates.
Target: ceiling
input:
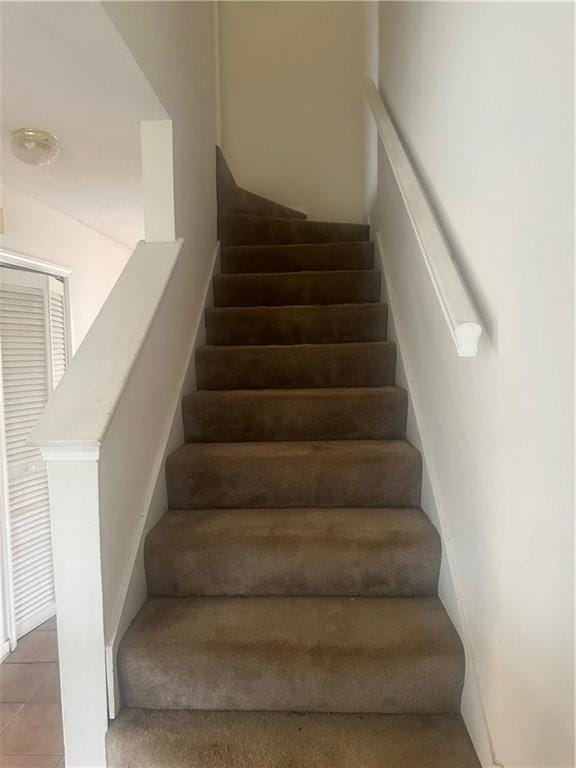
(66, 69)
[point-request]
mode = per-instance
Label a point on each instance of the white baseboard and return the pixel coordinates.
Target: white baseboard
(472, 707)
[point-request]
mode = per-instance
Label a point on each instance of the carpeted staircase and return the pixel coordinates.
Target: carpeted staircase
(293, 618)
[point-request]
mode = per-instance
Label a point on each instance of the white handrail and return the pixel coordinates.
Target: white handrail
(459, 312)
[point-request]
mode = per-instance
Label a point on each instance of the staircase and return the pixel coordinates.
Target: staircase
(293, 617)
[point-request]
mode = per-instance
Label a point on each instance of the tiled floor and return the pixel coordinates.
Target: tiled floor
(30, 717)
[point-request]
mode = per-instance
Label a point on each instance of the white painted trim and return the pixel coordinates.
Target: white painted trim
(70, 348)
(158, 180)
(7, 579)
(74, 493)
(4, 650)
(70, 452)
(31, 263)
(474, 714)
(113, 641)
(460, 315)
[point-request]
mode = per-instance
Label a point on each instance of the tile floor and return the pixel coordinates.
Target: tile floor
(30, 716)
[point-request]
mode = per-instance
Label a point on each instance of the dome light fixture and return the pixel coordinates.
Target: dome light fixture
(34, 147)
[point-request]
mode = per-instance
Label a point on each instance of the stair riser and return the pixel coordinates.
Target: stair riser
(210, 682)
(297, 289)
(303, 415)
(297, 325)
(252, 230)
(340, 365)
(244, 259)
(390, 553)
(315, 476)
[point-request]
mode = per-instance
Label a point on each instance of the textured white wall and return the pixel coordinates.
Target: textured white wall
(65, 67)
(482, 94)
(35, 229)
(293, 122)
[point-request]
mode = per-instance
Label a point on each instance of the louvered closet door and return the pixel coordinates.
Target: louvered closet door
(33, 359)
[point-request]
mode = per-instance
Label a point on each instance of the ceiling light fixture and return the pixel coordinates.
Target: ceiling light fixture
(34, 147)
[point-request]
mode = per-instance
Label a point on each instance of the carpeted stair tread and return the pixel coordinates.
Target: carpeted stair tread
(374, 413)
(151, 739)
(319, 654)
(293, 288)
(388, 552)
(238, 229)
(328, 324)
(293, 258)
(369, 364)
(294, 474)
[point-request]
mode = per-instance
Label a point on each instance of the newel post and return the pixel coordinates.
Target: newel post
(74, 500)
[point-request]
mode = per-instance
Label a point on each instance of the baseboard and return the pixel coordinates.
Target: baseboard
(133, 591)
(473, 711)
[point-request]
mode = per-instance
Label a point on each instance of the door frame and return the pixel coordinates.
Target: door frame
(28, 264)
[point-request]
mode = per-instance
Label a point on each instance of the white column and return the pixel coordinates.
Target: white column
(73, 481)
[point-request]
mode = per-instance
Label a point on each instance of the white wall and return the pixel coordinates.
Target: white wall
(35, 229)
(293, 122)
(482, 94)
(54, 75)
(173, 42)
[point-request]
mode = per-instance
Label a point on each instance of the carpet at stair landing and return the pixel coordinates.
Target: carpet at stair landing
(295, 571)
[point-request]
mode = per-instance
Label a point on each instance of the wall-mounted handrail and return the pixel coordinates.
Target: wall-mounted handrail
(457, 308)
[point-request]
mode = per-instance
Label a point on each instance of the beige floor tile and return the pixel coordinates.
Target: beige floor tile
(7, 712)
(49, 690)
(19, 681)
(29, 761)
(35, 730)
(48, 625)
(35, 647)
